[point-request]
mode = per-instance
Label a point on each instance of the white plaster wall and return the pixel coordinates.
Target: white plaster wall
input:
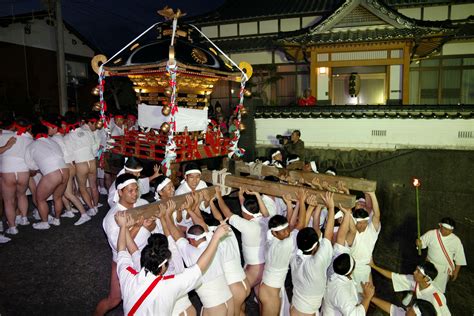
(357, 133)
(254, 58)
(414, 13)
(323, 85)
(228, 30)
(248, 28)
(461, 11)
(269, 26)
(438, 13)
(460, 48)
(210, 31)
(310, 20)
(291, 24)
(395, 82)
(43, 36)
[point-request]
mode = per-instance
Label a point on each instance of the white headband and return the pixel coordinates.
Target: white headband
(280, 227)
(196, 237)
(361, 200)
(256, 215)
(192, 171)
(277, 164)
(330, 172)
(133, 170)
(362, 219)
(120, 187)
(422, 271)
(312, 247)
(161, 264)
(417, 311)
(351, 266)
(124, 184)
(276, 153)
(292, 160)
(447, 226)
(338, 215)
(163, 184)
(313, 166)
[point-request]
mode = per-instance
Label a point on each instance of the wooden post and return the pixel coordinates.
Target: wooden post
(150, 210)
(277, 189)
(351, 183)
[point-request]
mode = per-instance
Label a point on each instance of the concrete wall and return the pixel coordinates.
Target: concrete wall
(380, 133)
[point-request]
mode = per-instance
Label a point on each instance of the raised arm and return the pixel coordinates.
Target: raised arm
(222, 205)
(174, 231)
(382, 304)
(344, 228)
(328, 199)
(316, 217)
(376, 209)
(385, 273)
(121, 220)
(206, 258)
(261, 205)
(302, 195)
(289, 207)
(161, 214)
(196, 214)
(131, 245)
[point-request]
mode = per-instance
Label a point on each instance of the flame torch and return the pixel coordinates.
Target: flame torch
(417, 184)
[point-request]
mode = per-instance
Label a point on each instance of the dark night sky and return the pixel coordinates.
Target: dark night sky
(110, 24)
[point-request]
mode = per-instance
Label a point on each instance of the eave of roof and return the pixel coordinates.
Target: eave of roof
(368, 111)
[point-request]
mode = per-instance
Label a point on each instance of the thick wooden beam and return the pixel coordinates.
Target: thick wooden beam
(277, 189)
(351, 183)
(150, 210)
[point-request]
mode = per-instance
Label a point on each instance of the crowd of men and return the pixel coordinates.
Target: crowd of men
(209, 245)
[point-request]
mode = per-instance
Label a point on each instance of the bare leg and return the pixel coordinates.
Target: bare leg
(254, 274)
(239, 293)
(219, 310)
(190, 311)
(295, 312)
(115, 295)
(32, 187)
(270, 300)
(9, 197)
(21, 187)
(92, 176)
(82, 171)
(59, 192)
(69, 193)
(108, 180)
(47, 185)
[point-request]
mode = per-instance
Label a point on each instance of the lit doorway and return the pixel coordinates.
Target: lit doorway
(372, 86)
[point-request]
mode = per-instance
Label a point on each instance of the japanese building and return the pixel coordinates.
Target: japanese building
(402, 52)
(29, 80)
(386, 75)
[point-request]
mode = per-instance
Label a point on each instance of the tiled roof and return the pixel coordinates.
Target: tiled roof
(233, 10)
(406, 3)
(347, 111)
(244, 44)
(378, 34)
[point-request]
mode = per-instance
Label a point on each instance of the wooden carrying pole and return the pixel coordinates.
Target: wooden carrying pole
(277, 189)
(264, 187)
(356, 184)
(151, 209)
